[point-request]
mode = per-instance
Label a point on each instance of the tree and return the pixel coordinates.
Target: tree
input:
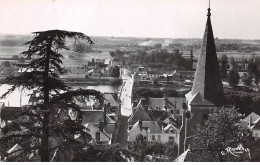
(21, 60)
(152, 59)
(191, 59)
(55, 97)
(7, 64)
(139, 146)
(247, 79)
(220, 131)
(155, 81)
(233, 63)
(171, 150)
(223, 67)
(93, 60)
(105, 153)
(115, 72)
(233, 78)
(16, 57)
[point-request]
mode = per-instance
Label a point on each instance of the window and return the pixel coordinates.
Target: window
(159, 138)
(256, 135)
(153, 137)
(171, 138)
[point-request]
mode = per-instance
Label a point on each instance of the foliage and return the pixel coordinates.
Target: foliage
(139, 146)
(105, 153)
(157, 151)
(223, 67)
(44, 126)
(233, 78)
(247, 79)
(253, 70)
(220, 131)
(245, 101)
(155, 81)
(6, 64)
(115, 72)
(16, 57)
(156, 56)
(171, 150)
(81, 48)
(139, 93)
(233, 63)
(115, 81)
(254, 150)
(146, 93)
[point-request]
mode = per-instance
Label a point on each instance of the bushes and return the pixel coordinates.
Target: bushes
(149, 92)
(115, 81)
(245, 101)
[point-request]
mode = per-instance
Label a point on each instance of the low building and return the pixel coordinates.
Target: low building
(252, 121)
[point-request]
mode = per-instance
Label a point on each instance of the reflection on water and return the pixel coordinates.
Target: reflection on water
(101, 88)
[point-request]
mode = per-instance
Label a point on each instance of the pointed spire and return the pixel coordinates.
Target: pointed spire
(207, 80)
(209, 14)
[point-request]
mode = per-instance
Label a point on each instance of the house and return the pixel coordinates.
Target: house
(99, 61)
(95, 117)
(252, 121)
(76, 72)
(170, 132)
(98, 134)
(170, 104)
(152, 132)
(108, 70)
(147, 129)
(139, 113)
(111, 100)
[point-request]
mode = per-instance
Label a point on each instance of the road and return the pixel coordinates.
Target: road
(126, 95)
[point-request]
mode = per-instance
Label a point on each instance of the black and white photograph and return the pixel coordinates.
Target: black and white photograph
(129, 81)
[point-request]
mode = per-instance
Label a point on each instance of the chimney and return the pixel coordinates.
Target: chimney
(115, 95)
(250, 121)
(141, 124)
(100, 126)
(106, 106)
(166, 108)
(135, 104)
(165, 100)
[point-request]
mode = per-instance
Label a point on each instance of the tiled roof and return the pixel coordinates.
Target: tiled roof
(257, 124)
(158, 115)
(170, 102)
(152, 125)
(139, 114)
(254, 117)
(94, 116)
(169, 127)
(110, 99)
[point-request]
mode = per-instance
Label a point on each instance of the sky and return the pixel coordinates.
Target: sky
(231, 19)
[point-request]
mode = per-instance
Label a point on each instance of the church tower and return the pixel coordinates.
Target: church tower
(207, 90)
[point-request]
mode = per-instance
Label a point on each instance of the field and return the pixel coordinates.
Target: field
(11, 45)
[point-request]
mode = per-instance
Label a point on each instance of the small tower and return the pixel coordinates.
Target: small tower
(207, 90)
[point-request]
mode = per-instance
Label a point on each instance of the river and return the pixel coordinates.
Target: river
(101, 88)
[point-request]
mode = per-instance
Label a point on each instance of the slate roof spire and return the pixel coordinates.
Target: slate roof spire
(207, 80)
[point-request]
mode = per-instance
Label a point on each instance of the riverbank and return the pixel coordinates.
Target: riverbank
(90, 81)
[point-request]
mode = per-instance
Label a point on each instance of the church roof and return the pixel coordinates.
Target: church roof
(207, 77)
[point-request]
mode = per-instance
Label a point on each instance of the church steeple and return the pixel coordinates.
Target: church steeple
(207, 80)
